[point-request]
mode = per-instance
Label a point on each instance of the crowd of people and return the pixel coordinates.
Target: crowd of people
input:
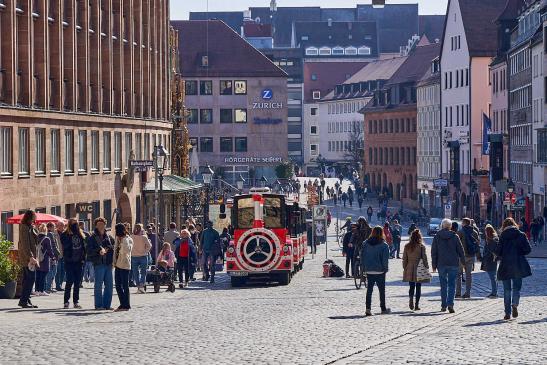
(54, 254)
(454, 252)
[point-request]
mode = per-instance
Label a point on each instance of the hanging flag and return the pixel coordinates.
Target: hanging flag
(486, 130)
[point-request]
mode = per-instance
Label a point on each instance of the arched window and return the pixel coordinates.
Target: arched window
(312, 51)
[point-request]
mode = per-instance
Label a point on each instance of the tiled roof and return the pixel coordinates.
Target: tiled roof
(327, 76)
(416, 65)
(481, 31)
(252, 29)
(229, 55)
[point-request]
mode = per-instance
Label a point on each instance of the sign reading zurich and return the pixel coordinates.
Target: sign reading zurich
(267, 94)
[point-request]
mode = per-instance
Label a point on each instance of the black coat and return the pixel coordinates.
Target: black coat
(512, 249)
(489, 261)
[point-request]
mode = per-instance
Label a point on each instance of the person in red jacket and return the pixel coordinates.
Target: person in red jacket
(183, 253)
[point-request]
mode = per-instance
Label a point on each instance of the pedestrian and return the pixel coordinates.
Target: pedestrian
(396, 232)
(414, 255)
(199, 249)
(139, 257)
(171, 235)
(54, 238)
(61, 274)
(27, 257)
(45, 256)
(350, 196)
(195, 239)
(512, 250)
(210, 243)
(360, 201)
(153, 237)
(100, 252)
(374, 261)
(446, 256)
(348, 250)
(73, 242)
(369, 213)
(335, 199)
(524, 228)
(471, 247)
(329, 218)
(123, 245)
(412, 228)
(489, 262)
(166, 257)
(344, 198)
(182, 254)
(363, 233)
(541, 222)
(534, 231)
(225, 239)
(389, 238)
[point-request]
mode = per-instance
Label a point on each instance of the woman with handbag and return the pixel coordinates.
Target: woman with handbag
(489, 261)
(123, 246)
(416, 268)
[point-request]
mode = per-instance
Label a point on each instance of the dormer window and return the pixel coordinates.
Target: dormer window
(364, 50)
(312, 51)
(351, 51)
(337, 51)
(316, 95)
(325, 51)
(204, 61)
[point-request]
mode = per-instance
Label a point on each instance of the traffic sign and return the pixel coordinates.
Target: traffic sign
(141, 163)
(448, 210)
(440, 183)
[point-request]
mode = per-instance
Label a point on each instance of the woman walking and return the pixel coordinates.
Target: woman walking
(389, 238)
(28, 238)
(123, 246)
(374, 260)
(512, 250)
(73, 242)
(489, 260)
(45, 256)
(413, 254)
(139, 257)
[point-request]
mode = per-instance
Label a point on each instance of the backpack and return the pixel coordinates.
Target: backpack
(39, 250)
(471, 245)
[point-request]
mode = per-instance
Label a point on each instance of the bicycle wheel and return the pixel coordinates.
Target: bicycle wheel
(357, 276)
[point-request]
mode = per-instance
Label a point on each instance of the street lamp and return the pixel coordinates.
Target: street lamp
(160, 156)
(207, 178)
(240, 182)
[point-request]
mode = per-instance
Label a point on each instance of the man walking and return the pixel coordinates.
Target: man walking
(396, 232)
(210, 244)
(446, 256)
(470, 241)
(55, 244)
(171, 235)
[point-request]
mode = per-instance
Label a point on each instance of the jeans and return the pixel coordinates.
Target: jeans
(60, 276)
(494, 282)
(50, 276)
(447, 278)
(138, 268)
(415, 287)
(89, 272)
(350, 262)
(73, 277)
(40, 284)
(511, 293)
(28, 281)
(122, 287)
(183, 266)
(380, 281)
(103, 286)
(468, 268)
(209, 265)
(397, 248)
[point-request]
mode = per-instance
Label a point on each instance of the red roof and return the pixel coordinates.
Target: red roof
(324, 76)
(252, 29)
(228, 54)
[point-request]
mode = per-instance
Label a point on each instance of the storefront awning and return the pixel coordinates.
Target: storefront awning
(173, 184)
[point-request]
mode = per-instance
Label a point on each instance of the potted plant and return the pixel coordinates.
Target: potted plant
(8, 270)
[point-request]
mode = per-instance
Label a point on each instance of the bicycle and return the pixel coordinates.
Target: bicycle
(359, 277)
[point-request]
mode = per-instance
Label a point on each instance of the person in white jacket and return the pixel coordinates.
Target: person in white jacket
(122, 265)
(139, 257)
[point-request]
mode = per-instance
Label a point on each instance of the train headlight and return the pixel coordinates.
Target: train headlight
(286, 248)
(231, 249)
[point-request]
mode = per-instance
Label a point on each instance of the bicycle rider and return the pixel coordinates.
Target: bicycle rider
(360, 236)
(348, 250)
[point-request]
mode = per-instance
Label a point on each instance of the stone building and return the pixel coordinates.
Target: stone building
(83, 89)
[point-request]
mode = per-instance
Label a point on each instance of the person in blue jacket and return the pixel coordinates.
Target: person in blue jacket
(374, 260)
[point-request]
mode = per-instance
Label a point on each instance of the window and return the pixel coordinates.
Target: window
(313, 130)
(316, 95)
(138, 146)
(542, 146)
(364, 50)
(206, 144)
(95, 151)
(82, 151)
(351, 51)
(206, 116)
(314, 150)
(313, 77)
(192, 116)
(69, 151)
(40, 135)
(6, 229)
(240, 115)
(226, 144)
(117, 151)
(191, 87)
(55, 151)
(146, 146)
(226, 87)
(313, 111)
(338, 51)
(226, 116)
(240, 87)
(325, 51)
(107, 147)
(206, 87)
(23, 151)
(128, 147)
(6, 153)
(107, 209)
(241, 144)
(312, 51)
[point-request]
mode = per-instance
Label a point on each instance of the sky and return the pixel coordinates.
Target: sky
(180, 9)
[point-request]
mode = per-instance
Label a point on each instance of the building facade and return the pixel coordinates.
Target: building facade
(429, 140)
(538, 129)
(236, 100)
(83, 90)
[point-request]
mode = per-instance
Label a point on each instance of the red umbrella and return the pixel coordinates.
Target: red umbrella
(40, 218)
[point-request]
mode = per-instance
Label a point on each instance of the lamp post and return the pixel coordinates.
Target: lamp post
(240, 182)
(207, 178)
(160, 155)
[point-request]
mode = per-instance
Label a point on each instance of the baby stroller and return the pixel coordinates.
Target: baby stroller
(159, 276)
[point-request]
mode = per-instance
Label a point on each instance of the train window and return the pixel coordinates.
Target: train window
(245, 213)
(272, 213)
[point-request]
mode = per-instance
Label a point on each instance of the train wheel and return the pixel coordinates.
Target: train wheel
(284, 279)
(237, 281)
(171, 287)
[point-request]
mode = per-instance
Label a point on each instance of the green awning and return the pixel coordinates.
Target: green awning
(173, 184)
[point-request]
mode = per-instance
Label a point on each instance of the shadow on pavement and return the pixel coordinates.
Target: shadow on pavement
(422, 314)
(355, 316)
(488, 323)
(535, 321)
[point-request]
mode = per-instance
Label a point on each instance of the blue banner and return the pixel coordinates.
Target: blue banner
(486, 130)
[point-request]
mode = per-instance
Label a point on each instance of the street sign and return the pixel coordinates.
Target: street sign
(320, 212)
(141, 163)
(440, 183)
(84, 208)
(448, 210)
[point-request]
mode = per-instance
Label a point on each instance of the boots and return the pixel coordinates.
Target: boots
(411, 303)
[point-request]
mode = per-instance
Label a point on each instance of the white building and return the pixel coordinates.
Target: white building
(469, 43)
(429, 139)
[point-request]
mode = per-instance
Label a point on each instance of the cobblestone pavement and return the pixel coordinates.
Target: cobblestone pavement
(313, 320)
